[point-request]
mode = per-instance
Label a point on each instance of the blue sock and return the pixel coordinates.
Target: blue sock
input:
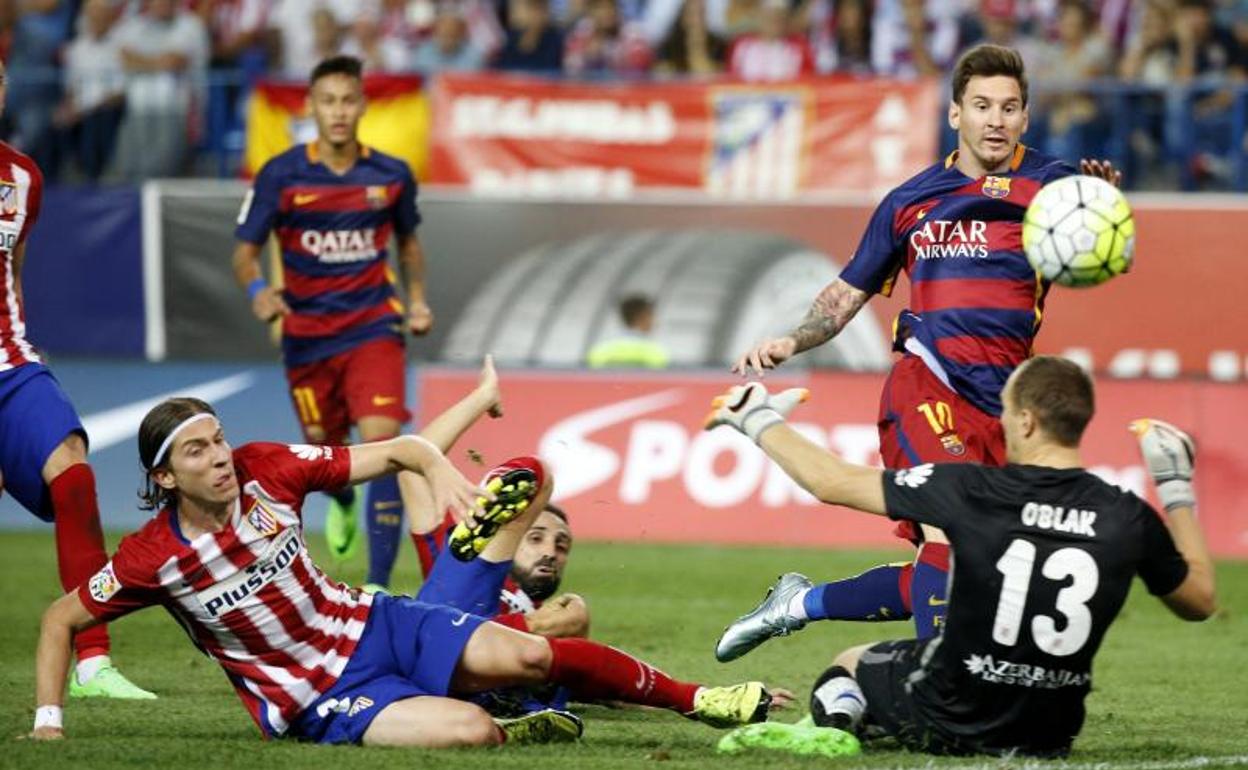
(874, 595)
(927, 589)
(384, 514)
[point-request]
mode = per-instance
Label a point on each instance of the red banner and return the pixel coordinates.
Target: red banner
(632, 464)
(528, 135)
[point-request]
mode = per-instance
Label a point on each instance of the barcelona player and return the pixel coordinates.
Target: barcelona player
(43, 447)
(975, 308)
(334, 205)
(315, 659)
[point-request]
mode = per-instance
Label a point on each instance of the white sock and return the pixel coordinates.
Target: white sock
(87, 669)
(842, 696)
(797, 605)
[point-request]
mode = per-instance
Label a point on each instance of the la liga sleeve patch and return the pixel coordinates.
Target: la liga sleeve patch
(104, 584)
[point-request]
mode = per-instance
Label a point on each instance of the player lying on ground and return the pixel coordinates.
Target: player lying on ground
(955, 229)
(521, 566)
(314, 659)
(1044, 555)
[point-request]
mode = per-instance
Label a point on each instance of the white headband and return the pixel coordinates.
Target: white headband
(164, 445)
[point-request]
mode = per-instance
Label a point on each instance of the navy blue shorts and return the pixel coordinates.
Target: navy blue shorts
(35, 417)
(472, 586)
(408, 649)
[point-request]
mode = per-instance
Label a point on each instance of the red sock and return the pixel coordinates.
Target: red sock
(79, 543)
(594, 671)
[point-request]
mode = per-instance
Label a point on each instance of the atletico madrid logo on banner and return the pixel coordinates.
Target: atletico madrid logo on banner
(757, 143)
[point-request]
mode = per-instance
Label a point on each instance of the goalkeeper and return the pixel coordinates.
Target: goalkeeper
(1044, 553)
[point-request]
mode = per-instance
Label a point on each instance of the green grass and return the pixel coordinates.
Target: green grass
(1164, 689)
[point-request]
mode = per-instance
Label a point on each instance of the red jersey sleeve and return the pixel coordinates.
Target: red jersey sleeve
(291, 471)
(34, 198)
(129, 582)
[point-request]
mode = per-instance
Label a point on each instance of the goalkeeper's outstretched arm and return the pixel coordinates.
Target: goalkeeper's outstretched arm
(760, 415)
(1170, 456)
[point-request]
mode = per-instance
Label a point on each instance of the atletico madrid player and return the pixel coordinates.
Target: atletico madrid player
(315, 659)
(333, 205)
(43, 446)
(975, 308)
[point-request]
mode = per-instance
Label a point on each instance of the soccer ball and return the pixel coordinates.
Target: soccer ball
(1079, 231)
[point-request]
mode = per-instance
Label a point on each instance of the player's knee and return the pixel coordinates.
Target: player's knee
(70, 452)
(534, 658)
(474, 727)
(315, 434)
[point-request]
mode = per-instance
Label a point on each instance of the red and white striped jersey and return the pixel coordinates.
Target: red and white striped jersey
(249, 596)
(21, 192)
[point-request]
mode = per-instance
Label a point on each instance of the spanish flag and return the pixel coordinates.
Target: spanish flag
(395, 122)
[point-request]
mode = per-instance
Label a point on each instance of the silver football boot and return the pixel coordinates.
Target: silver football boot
(768, 619)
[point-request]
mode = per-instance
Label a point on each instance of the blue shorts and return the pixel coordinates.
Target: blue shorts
(472, 586)
(408, 649)
(35, 417)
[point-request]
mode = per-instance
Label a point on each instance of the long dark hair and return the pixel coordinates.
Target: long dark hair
(153, 431)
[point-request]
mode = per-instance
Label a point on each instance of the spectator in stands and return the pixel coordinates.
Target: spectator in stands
(1209, 56)
(602, 44)
(308, 31)
(840, 33)
(42, 28)
(237, 30)
(164, 52)
(914, 37)
(1151, 59)
(691, 48)
(88, 117)
(1072, 115)
(533, 44)
(773, 53)
(370, 43)
(449, 49)
(635, 348)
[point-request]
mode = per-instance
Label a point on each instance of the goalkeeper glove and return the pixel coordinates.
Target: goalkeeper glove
(751, 409)
(1170, 455)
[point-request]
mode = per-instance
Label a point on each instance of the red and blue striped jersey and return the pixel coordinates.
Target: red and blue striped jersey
(975, 301)
(333, 232)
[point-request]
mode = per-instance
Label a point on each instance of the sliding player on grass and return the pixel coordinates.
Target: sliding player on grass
(1043, 553)
(315, 659)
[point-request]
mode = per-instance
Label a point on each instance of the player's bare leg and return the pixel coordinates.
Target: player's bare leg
(80, 554)
(496, 656)
(383, 508)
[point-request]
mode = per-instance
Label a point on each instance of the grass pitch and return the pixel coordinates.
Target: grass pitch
(1167, 693)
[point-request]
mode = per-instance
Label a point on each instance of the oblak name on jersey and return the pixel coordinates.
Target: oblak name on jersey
(1058, 519)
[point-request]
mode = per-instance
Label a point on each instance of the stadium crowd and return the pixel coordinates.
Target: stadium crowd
(121, 86)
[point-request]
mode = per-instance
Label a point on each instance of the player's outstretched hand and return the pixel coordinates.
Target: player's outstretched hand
(766, 355)
(268, 304)
(1103, 169)
(751, 409)
(419, 318)
(781, 699)
(1170, 456)
(487, 387)
(452, 492)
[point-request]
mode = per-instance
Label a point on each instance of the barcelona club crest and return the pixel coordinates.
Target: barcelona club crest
(997, 186)
(376, 196)
(8, 197)
(953, 444)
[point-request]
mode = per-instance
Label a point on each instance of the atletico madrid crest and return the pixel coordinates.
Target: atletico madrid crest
(996, 186)
(262, 520)
(8, 198)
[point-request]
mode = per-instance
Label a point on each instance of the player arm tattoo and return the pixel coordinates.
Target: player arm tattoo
(835, 306)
